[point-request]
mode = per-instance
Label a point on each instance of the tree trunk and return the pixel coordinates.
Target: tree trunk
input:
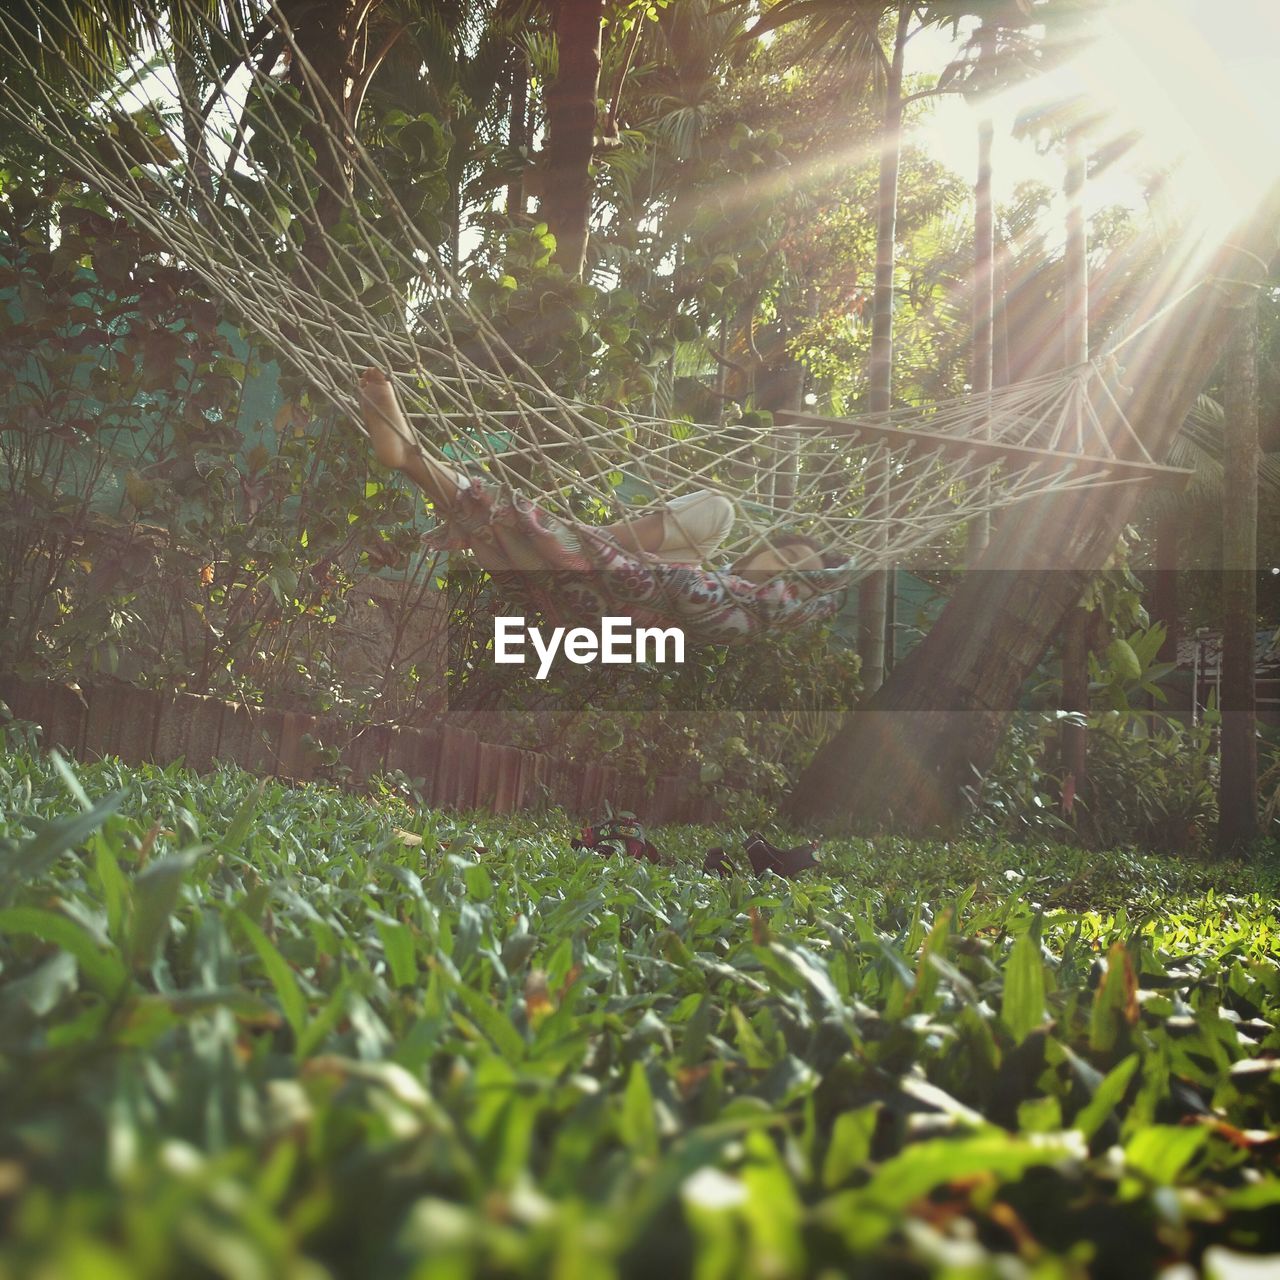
(1000, 373)
(331, 39)
(1238, 789)
(873, 592)
(571, 129)
(1073, 743)
(912, 758)
(191, 87)
(984, 300)
(518, 128)
(780, 382)
(1164, 603)
(1074, 737)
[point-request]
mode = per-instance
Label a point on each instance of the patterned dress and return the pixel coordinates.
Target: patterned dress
(574, 575)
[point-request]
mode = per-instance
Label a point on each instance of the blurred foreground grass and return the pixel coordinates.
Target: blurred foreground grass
(253, 1031)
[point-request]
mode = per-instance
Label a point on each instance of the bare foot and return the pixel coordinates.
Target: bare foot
(390, 434)
(396, 446)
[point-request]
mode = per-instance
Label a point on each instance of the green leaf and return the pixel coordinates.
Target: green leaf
(1162, 1151)
(866, 1216)
(850, 1146)
(397, 943)
(31, 860)
(1040, 1115)
(637, 1125)
(493, 1022)
(321, 1024)
(242, 823)
(100, 967)
(921, 1168)
(1023, 1005)
(117, 894)
(288, 993)
(694, 1042)
(1123, 659)
(1115, 1006)
(155, 894)
(42, 989)
(1093, 1115)
(479, 885)
(812, 973)
(67, 774)
(749, 1044)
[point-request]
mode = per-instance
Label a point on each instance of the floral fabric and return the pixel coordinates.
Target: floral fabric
(572, 575)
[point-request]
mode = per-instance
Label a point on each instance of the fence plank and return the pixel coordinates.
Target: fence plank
(509, 765)
(293, 760)
(367, 754)
(120, 721)
(457, 774)
(58, 710)
(416, 754)
(455, 770)
(487, 765)
(188, 726)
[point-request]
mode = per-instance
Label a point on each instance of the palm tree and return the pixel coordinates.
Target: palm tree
(1238, 789)
(874, 34)
(571, 128)
(852, 32)
(913, 755)
(1219, 443)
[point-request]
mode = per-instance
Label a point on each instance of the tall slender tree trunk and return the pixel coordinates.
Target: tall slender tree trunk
(912, 757)
(780, 384)
(1000, 355)
(1074, 738)
(332, 40)
(1164, 602)
(1073, 743)
(1164, 594)
(518, 127)
(191, 87)
(1237, 795)
(982, 368)
(571, 129)
(873, 592)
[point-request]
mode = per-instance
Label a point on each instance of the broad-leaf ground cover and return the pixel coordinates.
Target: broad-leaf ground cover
(259, 1032)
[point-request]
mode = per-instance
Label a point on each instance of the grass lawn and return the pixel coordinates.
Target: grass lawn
(291, 1033)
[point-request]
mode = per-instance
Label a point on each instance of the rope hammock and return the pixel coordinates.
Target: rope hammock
(260, 237)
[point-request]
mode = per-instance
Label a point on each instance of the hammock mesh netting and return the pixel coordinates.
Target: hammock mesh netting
(333, 275)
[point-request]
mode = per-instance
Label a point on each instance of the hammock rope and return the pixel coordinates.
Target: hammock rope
(880, 489)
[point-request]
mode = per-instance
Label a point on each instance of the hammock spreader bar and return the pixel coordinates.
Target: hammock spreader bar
(1175, 478)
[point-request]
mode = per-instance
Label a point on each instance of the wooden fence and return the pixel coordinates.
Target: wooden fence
(456, 770)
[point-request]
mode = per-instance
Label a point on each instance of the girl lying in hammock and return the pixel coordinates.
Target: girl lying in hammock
(653, 559)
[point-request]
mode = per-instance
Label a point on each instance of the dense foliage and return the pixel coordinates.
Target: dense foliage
(257, 1031)
(154, 527)
(185, 509)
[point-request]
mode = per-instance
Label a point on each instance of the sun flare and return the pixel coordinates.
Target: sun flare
(1199, 86)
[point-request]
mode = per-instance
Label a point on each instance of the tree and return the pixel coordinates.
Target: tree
(923, 741)
(855, 29)
(571, 128)
(873, 594)
(1238, 790)
(982, 366)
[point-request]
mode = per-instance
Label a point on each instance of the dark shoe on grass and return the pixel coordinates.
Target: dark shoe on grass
(784, 862)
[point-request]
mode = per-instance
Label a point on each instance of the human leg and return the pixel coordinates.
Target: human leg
(395, 445)
(685, 530)
(642, 533)
(694, 525)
